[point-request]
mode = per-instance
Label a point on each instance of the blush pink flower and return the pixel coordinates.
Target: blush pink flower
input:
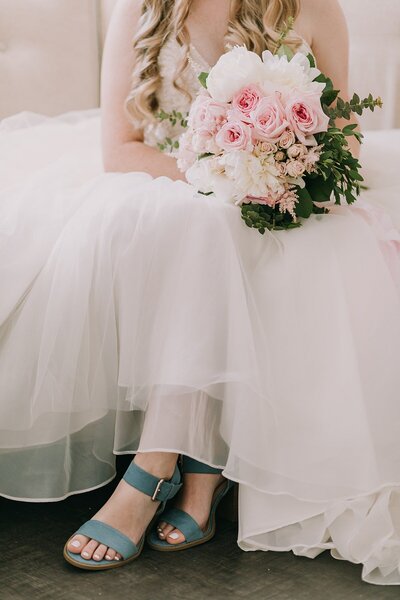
(306, 117)
(287, 139)
(246, 101)
(312, 158)
(295, 168)
(234, 136)
(296, 151)
(269, 119)
(206, 114)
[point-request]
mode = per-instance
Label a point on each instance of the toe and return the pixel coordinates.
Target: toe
(89, 549)
(100, 552)
(77, 543)
(166, 530)
(118, 557)
(175, 537)
(110, 554)
(161, 526)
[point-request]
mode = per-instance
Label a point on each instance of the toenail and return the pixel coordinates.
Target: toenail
(174, 536)
(85, 553)
(117, 558)
(96, 556)
(75, 544)
(159, 529)
(108, 557)
(162, 534)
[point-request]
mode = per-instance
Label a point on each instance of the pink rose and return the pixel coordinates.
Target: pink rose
(205, 113)
(234, 136)
(269, 119)
(306, 117)
(297, 150)
(265, 148)
(281, 167)
(287, 139)
(246, 101)
(279, 156)
(295, 168)
(203, 140)
(186, 156)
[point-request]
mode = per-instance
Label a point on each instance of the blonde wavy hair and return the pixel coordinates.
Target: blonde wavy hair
(253, 23)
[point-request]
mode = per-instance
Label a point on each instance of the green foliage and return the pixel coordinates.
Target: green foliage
(337, 174)
(280, 43)
(285, 51)
(263, 217)
(203, 79)
(304, 207)
(343, 109)
(311, 60)
(174, 117)
(169, 145)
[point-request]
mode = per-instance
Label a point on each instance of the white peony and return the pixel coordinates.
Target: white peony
(250, 175)
(200, 174)
(283, 75)
(206, 175)
(234, 70)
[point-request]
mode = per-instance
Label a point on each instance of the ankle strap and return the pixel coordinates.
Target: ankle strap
(159, 490)
(190, 465)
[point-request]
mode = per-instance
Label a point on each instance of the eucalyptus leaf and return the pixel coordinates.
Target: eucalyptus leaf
(203, 79)
(285, 51)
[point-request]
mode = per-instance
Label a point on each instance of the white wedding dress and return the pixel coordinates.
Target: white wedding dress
(276, 356)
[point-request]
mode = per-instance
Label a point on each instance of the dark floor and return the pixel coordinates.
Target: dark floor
(32, 566)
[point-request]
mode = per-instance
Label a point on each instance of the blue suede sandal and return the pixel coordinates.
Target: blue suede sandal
(194, 535)
(160, 490)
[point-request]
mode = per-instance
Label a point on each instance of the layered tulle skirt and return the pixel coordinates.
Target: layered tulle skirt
(137, 314)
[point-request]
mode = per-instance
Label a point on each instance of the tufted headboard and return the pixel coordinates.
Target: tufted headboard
(50, 54)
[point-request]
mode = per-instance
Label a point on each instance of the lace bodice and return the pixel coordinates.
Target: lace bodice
(172, 99)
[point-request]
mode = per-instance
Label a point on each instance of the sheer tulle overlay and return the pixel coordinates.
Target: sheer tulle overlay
(275, 356)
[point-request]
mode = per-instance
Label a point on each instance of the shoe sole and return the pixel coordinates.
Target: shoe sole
(113, 564)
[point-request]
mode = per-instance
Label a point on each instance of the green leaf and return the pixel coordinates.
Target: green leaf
(329, 96)
(356, 176)
(320, 189)
(311, 60)
(285, 51)
(304, 207)
(203, 79)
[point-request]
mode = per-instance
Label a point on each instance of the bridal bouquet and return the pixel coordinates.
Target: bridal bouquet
(262, 135)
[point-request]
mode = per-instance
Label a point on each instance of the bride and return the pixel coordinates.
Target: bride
(138, 317)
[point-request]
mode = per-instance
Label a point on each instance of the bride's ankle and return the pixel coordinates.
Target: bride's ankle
(159, 464)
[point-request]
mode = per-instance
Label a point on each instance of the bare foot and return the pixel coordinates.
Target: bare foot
(195, 498)
(128, 510)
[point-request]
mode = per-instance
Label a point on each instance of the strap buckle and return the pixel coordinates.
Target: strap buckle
(157, 490)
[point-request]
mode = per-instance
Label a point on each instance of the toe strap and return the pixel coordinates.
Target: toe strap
(184, 522)
(107, 535)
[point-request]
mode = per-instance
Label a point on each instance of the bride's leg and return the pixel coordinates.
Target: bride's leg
(128, 510)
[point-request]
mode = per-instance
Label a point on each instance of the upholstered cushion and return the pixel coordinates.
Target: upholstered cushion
(49, 55)
(374, 27)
